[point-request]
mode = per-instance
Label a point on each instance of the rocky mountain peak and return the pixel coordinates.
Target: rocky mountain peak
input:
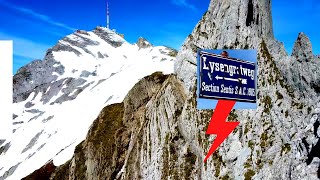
(302, 50)
(80, 68)
(231, 24)
(110, 36)
(143, 43)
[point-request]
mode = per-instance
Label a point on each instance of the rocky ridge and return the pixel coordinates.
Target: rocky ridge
(161, 135)
(52, 95)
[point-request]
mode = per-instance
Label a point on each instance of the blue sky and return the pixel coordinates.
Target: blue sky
(37, 26)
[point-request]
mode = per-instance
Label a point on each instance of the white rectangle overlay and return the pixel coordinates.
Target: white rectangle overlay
(6, 55)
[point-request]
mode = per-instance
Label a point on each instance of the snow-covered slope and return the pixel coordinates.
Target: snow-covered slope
(56, 99)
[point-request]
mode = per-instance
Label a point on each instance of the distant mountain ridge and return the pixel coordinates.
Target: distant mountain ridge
(53, 98)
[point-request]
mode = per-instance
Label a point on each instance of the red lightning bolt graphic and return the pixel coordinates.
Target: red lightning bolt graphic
(219, 126)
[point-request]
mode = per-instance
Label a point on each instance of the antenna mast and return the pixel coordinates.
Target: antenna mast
(108, 21)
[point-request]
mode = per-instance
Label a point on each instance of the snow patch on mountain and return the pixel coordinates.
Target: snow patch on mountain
(57, 98)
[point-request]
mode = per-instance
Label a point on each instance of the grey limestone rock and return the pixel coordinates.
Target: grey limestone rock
(143, 43)
(302, 50)
(104, 34)
(232, 24)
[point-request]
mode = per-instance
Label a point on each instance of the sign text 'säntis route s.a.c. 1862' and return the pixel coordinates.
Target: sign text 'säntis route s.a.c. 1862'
(226, 78)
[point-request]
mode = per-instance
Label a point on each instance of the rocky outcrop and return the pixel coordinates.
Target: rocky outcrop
(109, 36)
(169, 51)
(125, 136)
(143, 43)
(38, 73)
(233, 24)
(43, 173)
(302, 50)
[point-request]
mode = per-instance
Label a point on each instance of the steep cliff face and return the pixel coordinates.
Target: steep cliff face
(112, 142)
(232, 24)
(281, 132)
(157, 132)
(136, 139)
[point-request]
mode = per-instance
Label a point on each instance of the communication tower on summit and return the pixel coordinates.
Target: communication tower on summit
(108, 20)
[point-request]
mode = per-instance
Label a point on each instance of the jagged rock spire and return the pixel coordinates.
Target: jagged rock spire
(233, 24)
(228, 24)
(302, 50)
